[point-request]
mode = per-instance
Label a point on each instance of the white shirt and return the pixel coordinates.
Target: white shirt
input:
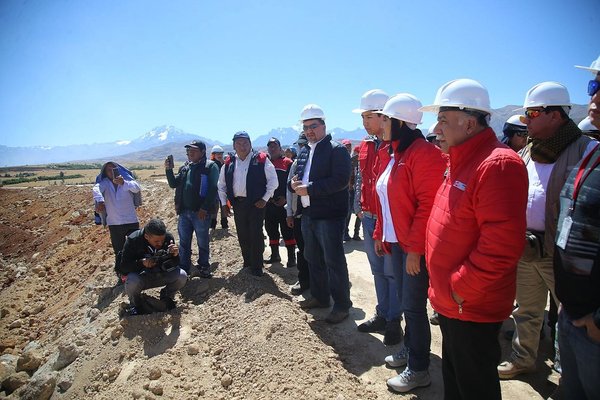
(306, 199)
(239, 179)
(120, 209)
(389, 235)
(539, 175)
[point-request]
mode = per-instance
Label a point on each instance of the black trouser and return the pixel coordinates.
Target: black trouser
(249, 224)
(118, 233)
(213, 222)
(274, 220)
(303, 274)
(470, 356)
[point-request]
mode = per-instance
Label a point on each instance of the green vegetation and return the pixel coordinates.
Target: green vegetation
(72, 166)
(29, 178)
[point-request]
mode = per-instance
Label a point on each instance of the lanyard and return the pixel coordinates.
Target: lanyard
(580, 178)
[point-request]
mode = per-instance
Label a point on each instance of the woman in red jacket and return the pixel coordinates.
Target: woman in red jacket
(410, 172)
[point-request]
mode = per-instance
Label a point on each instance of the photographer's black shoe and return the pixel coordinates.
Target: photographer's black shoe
(204, 272)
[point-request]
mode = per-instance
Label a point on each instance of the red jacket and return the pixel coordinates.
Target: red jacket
(367, 163)
(416, 176)
(475, 234)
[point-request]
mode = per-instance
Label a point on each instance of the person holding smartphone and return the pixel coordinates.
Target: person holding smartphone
(116, 195)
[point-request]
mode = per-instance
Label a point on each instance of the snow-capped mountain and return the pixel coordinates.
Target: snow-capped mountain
(13, 156)
(161, 135)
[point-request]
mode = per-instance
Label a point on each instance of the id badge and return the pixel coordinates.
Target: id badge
(564, 232)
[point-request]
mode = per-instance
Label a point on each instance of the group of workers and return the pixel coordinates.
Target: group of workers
(474, 224)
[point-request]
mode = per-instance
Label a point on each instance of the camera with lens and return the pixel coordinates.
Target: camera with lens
(164, 260)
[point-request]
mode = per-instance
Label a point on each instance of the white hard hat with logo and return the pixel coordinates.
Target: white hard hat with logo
(461, 94)
(404, 107)
(547, 94)
(217, 149)
(311, 111)
(373, 100)
(594, 68)
(586, 125)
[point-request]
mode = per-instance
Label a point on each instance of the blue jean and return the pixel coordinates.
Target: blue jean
(188, 224)
(382, 268)
(413, 289)
(579, 359)
(137, 282)
(324, 252)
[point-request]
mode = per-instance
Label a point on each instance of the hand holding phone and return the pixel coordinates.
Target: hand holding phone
(169, 164)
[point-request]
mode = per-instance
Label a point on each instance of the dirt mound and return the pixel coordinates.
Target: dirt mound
(233, 336)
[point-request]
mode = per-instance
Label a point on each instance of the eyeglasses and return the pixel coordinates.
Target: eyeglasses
(531, 114)
(593, 87)
(306, 128)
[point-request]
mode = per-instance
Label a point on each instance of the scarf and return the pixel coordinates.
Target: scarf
(546, 151)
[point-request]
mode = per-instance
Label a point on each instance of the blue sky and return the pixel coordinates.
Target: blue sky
(93, 71)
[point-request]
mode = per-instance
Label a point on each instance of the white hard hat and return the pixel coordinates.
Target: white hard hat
(311, 111)
(516, 120)
(594, 68)
(373, 100)
(404, 107)
(462, 94)
(431, 129)
(547, 94)
(586, 125)
(217, 149)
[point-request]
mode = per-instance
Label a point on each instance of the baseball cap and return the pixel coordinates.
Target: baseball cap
(273, 140)
(241, 135)
(196, 144)
(301, 139)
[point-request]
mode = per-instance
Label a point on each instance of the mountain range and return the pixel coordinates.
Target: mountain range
(167, 139)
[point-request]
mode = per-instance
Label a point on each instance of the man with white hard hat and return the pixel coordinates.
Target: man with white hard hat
(388, 310)
(473, 239)
(556, 145)
(321, 181)
(515, 133)
(577, 271)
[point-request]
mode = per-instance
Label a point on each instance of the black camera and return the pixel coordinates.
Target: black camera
(164, 260)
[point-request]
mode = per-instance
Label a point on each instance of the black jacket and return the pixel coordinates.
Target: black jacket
(136, 248)
(328, 179)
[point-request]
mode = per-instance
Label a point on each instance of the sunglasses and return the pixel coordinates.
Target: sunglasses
(531, 114)
(306, 128)
(593, 87)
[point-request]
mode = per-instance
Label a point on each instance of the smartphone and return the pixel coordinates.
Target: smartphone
(170, 161)
(115, 172)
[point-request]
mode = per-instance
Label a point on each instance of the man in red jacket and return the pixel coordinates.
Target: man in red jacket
(474, 239)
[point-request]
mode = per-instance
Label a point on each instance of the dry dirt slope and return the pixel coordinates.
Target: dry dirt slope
(235, 336)
(232, 337)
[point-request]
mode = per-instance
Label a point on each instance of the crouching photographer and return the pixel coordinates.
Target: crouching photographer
(150, 259)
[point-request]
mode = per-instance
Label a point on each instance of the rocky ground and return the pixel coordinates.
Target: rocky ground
(235, 336)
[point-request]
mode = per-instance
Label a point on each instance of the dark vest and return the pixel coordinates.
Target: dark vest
(256, 180)
(200, 183)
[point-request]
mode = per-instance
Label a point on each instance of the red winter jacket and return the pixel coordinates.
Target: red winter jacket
(416, 176)
(367, 163)
(475, 232)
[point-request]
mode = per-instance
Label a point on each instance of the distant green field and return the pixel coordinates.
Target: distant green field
(71, 173)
